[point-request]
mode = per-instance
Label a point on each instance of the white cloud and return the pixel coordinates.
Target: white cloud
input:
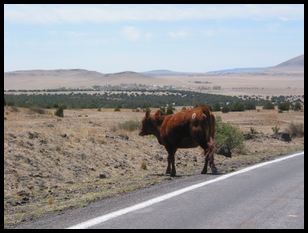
(131, 33)
(148, 35)
(134, 34)
(178, 34)
(112, 13)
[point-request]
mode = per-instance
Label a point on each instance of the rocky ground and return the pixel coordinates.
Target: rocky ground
(52, 163)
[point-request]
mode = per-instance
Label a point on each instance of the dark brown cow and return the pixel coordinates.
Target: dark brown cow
(185, 129)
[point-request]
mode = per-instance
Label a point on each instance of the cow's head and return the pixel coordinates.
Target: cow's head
(150, 123)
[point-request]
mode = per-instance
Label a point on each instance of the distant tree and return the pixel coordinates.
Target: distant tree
(225, 109)
(284, 106)
(170, 110)
(268, 105)
(297, 106)
(237, 107)
(216, 107)
(250, 106)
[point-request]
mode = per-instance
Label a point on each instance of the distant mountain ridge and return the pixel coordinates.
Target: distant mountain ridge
(295, 64)
(164, 73)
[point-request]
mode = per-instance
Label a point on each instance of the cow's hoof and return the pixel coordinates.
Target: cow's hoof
(173, 174)
(168, 172)
(204, 172)
(214, 171)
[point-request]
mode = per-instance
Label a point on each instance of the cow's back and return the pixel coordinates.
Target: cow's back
(183, 128)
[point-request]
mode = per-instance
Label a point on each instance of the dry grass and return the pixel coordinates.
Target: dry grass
(59, 166)
(296, 129)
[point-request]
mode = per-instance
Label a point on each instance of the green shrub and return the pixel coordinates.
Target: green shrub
(268, 105)
(237, 107)
(250, 106)
(60, 111)
(229, 135)
(285, 106)
(225, 109)
(216, 107)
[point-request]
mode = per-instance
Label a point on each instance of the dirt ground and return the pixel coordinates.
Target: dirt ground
(52, 163)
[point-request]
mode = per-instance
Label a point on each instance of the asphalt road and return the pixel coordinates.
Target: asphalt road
(271, 196)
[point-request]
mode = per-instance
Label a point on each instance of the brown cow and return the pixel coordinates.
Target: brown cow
(186, 129)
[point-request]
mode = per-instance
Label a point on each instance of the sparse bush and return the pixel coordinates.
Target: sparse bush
(38, 110)
(184, 108)
(99, 109)
(228, 135)
(118, 109)
(14, 109)
(130, 125)
(60, 111)
(143, 165)
(253, 130)
(146, 109)
(296, 129)
(136, 110)
(275, 129)
(50, 200)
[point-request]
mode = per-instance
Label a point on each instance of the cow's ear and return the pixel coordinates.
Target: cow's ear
(147, 114)
(158, 116)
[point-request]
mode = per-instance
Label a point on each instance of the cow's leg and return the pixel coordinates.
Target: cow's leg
(171, 161)
(168, 171)
(204, 170)
(212, 164)
(211, 156)
(205, 147)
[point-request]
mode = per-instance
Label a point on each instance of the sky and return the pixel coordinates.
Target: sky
(114, 38)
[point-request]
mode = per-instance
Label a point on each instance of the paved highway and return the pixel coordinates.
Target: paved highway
(262, 196)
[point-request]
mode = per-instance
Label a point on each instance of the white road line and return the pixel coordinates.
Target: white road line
(153, 201)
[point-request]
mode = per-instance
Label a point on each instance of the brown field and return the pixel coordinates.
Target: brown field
(51, 163)
(230, 84)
